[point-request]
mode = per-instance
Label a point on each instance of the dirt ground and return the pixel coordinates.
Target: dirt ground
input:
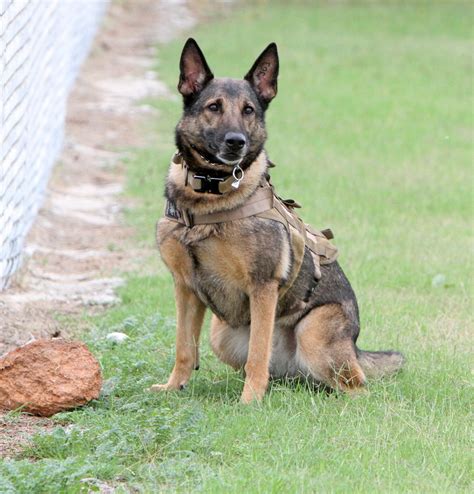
(79, 246)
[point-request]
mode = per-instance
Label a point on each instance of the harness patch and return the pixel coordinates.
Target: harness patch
(172, 211)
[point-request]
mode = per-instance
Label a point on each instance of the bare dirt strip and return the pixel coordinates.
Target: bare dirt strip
(79, 246)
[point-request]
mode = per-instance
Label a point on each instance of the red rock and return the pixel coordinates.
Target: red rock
(49, 376)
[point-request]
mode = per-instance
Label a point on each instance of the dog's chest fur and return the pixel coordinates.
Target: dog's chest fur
(222, 263)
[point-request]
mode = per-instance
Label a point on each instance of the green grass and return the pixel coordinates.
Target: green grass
(372, 133)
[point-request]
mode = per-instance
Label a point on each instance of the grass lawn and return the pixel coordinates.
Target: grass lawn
(372, 132)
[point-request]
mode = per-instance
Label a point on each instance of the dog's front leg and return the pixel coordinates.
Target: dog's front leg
(189, 317)
(263, 302)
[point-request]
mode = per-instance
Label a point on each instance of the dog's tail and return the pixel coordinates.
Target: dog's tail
(380, 364)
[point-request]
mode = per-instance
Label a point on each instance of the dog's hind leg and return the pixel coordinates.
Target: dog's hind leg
(325, 350)
(190, 315)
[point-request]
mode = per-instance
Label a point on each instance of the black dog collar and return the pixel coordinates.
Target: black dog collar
(205, 183)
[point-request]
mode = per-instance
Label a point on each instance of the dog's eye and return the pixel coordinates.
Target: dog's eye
(248, 110)
(213, 107)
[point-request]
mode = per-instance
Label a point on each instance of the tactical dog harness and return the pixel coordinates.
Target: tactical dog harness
(263, 203)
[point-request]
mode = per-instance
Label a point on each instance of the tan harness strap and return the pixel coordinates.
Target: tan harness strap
(297, 240)
(316, 241)
(261, 201)
(296, 228)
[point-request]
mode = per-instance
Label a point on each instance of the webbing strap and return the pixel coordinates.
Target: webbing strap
(264, 204)
(260, 201)
(316, 241)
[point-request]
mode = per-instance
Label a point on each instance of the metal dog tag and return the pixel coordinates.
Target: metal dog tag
(238, 174)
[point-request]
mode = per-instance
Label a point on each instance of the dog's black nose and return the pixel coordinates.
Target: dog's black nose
(234, 141)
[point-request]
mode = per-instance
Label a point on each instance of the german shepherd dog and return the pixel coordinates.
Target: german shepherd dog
(238, 267)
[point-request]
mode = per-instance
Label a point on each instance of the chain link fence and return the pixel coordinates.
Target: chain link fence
(42, 44)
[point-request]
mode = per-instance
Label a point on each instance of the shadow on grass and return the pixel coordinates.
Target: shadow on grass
(227, 388)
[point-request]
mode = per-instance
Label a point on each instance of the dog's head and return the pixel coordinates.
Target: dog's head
(223, 119)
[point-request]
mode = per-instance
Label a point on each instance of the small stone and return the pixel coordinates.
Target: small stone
(117, 337)
(49, 376)
(438, 280)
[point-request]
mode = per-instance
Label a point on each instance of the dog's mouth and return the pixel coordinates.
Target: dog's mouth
(216, 156)
(231, 159)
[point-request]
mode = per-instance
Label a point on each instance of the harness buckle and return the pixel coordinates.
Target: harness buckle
(208, 184)
(187, 218)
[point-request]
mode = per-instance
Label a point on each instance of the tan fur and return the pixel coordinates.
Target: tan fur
(323, 350)
(190, 314)
(227, 262)
(174, 254)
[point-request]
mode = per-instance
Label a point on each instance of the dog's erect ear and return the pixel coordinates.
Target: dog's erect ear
(264, 73)
(194, 71)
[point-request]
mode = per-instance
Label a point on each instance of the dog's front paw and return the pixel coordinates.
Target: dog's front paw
(157, 388)
(250, 395)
